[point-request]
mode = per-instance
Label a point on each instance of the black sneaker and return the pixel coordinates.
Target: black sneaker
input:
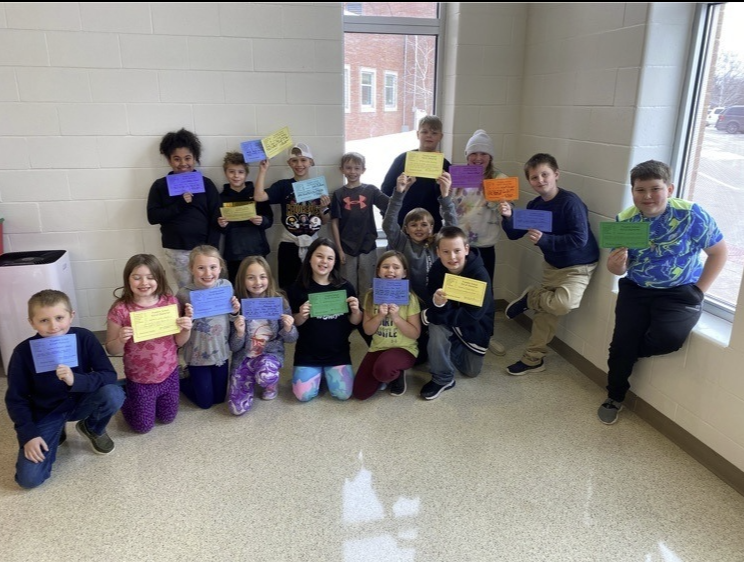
(518, 306)
(608, 411)
(432, 390)
(398, 386)
(102, 444)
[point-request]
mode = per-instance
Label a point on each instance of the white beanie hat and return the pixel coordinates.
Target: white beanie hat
(480, 142)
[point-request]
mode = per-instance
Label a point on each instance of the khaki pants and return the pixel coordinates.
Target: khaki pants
(560, 292)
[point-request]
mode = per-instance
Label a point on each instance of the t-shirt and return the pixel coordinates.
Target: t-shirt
(354, 207)
(208, 343)
(676, 238)
(323, 341)
(151, 361)
(388, 336)
(299, 219)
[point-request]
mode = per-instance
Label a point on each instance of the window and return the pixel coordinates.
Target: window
(367, 89)
(390, 93)
(398, 42)
(347, 87)
(710, 159)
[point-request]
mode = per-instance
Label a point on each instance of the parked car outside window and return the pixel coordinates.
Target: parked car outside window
(730, 120)
(711, 118)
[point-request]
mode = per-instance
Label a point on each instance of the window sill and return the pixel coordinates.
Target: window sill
(714, 328)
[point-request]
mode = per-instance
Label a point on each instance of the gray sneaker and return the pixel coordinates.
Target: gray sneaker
(608, 411)
(102, 444)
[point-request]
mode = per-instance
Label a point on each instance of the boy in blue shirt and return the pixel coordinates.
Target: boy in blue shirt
(41, 403)
(570, 253)
(661, 296)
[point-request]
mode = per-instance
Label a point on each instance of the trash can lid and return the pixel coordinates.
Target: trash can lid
(30, 258)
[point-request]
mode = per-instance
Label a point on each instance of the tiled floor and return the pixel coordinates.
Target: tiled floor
(498, 469)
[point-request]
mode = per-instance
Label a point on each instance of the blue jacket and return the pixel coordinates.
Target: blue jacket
(472, 325)
(32, 396)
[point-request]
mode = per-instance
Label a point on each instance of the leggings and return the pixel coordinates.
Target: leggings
(206, 385)
(380, 366)
(262, 370)
(146, 402)
(307, 380)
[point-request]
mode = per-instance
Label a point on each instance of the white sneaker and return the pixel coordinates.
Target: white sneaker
(496, 348)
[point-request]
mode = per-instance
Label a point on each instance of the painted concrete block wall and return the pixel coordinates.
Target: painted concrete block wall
(601, 92)
(88, 89)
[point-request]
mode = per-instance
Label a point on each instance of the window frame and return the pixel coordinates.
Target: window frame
(386, 25)
(371, 108)
(347, 88)
(693, 94)
(394, 87)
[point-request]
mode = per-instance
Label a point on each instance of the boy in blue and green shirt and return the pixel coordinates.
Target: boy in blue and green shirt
(660, 298)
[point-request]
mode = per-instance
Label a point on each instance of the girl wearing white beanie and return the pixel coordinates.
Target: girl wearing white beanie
(478, 217)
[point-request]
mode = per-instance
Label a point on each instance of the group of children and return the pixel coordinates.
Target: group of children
(432, 229)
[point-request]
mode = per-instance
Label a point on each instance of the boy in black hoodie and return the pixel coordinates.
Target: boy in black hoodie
(459, 333)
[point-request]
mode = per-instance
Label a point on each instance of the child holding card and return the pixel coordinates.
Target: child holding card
(322, 350)
(660, 299)
(394, 328)
(40, 401)
(151, 366)
(425, 192)
(206, 352)
(353, 223)
(569, 250)
(416, 239)
(257, 342)
(301, 220)
(189, 219)
(247, 237)
(478, 217)
(459, 332)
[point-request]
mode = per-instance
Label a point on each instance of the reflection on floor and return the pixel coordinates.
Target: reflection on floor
(499, 468)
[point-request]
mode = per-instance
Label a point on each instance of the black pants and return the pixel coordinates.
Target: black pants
(288, 264)
(648, 322)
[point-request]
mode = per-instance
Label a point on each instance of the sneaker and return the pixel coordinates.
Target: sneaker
(62, 436)
(521, 368)
(382, 386)
(608, 411)
(518, 306)
(270, 393)
(496, 348)
(102, 444)
(398, 386)
(432, 390)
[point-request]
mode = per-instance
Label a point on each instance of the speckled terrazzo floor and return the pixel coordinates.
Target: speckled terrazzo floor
(498, 469)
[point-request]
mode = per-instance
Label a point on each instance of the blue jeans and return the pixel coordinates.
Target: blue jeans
(96, 409)
(447, 353)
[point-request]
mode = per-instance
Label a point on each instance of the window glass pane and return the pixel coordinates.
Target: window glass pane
(714, 158)
(410, 63)
(392, 9)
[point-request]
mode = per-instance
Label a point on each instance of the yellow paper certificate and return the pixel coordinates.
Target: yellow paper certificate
(154, 323)
(277, 142)
(464, 289)
(424, 164)
(502, 189)
(240, 212)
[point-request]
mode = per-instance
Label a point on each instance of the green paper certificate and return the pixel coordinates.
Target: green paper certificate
(330, 303)
(624, 234)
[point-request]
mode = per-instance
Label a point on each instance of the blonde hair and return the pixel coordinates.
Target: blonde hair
(240, 278)
(48, 297)
(205, 250)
